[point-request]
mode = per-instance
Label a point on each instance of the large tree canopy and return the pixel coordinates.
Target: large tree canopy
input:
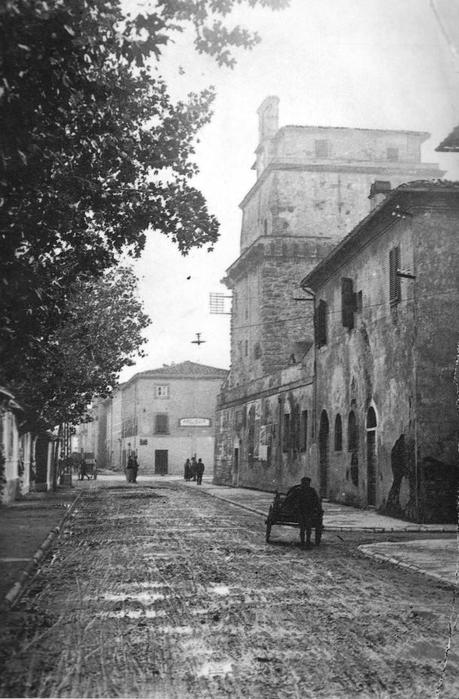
(93, 151)
(99, 334)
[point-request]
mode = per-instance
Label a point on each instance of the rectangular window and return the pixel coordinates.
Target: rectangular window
(392, 154)
(320, 323)
(395, 290)
(286, 435)
(359, 302)
(246, 348)
(161, 391)
(304, 430)
(162, 423)
(321, 148)
(347, 302)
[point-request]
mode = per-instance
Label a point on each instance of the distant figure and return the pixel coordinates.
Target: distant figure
(136, 467)
(187, 470)
(131, 469)
(199, 472)
(193, 468)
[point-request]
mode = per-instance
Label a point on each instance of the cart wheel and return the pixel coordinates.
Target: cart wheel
(318, 535)
(269, 523)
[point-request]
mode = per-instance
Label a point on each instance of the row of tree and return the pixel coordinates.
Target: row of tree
(93, 153)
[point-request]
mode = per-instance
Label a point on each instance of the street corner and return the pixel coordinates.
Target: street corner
(435, 558)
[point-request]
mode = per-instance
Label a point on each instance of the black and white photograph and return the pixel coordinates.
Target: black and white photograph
(229, 349)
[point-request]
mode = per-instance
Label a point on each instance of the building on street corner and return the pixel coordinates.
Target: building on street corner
(386, 332)
(164, 415)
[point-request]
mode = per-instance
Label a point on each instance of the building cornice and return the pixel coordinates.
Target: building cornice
(381, 168)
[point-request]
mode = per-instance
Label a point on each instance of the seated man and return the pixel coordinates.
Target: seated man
(305, 503)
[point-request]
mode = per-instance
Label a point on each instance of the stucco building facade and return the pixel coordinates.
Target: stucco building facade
(312, 188)
(164, 415)
(386, 333)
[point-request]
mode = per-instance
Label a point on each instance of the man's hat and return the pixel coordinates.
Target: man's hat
(306, 479)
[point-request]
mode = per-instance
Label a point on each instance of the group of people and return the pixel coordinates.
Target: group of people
(194, 470)
(132, 468)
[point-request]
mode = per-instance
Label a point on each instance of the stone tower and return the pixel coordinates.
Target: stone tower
(312, 188)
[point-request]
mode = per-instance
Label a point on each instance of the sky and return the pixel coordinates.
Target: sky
(357, 63)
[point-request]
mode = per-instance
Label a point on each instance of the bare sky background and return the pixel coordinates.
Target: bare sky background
(356, 63)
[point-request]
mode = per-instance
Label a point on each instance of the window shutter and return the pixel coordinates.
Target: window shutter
(320, 323)
(347, 302)
(162, 424)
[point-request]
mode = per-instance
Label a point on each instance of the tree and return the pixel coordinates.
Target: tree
(98, 336)
(93, 151)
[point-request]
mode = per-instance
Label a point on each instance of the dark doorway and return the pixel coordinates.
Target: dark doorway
(161, 461)
(41, 463)
(323, 454)
(371, 457)
(236, 467)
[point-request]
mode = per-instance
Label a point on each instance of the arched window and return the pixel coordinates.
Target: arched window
(338, 433)
(352, 433)
(371, 419)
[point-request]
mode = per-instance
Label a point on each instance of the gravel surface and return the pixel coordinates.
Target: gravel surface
(163, 591)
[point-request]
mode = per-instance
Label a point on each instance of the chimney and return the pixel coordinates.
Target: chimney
(378, 191)
(268, 118)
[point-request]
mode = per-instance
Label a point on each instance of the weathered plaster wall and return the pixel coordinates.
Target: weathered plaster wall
(399, 360)
(254, 425)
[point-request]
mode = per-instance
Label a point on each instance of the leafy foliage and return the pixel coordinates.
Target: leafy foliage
(83, 355)
(93, 152)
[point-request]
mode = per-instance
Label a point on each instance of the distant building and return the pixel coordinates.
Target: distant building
(312, 187)
(165, 416)
(16, 451)
(386, 332)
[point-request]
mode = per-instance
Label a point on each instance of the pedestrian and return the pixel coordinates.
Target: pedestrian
(187, 470)
(310, 511)
(193, 468)
(136, 467)
(130, 469)
(199, 472)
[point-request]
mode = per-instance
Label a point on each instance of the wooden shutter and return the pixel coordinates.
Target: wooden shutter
(162, 423)
(320, 323)
(347, 302)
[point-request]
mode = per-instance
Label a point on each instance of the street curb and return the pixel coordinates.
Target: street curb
(17, 590)
(385, 558)
(329, 528)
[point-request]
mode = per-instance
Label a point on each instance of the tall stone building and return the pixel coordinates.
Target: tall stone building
(312, 187)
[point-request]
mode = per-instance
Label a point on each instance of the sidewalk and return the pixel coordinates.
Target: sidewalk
(27, 528)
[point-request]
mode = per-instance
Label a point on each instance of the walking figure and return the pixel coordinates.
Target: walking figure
(199, 472)
(187, 470)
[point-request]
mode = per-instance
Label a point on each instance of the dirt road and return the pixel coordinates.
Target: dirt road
(163, 591)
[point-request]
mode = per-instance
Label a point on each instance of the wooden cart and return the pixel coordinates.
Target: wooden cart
(285, 512)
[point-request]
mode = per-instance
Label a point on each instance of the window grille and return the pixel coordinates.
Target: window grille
(161, 391)
(395, 294)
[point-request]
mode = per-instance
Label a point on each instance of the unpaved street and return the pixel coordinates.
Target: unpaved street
(159, 590)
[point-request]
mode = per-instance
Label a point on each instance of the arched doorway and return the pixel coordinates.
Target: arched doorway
(324, 430)
(371, 456)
